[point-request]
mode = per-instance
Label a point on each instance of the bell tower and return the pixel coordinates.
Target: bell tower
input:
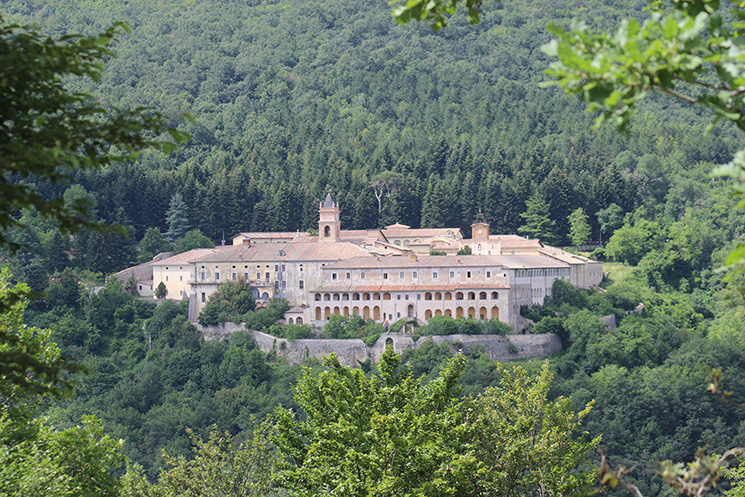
(480, 228)
(329, 224)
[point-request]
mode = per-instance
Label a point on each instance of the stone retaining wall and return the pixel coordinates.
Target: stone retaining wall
(353, 351)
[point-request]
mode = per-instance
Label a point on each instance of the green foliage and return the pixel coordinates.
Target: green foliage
(538, 223)
(351, 327)
(191, 240)
(220, 466)
(263, 319)
(579, 228)
(177, 219)
(630, 243)
(437, 252)
(393, 433)
(76, 462)
(161, 291)
(466, 250)
(152, 244)
(50, 131)
(386, 433)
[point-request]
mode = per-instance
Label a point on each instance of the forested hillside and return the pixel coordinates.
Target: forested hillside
(296, 99)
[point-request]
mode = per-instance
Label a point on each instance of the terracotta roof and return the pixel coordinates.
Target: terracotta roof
(397, 226)
(272, 234)
(189, 256)
(293, 251)
(510, 261)
(420, 232)
(410, 288)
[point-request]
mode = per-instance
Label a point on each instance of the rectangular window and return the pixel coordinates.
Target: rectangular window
(166, 277)
(284, 284)
(385, 276)
(276, 268)
(181, 278)
(203, 277)
(258, 276)
(203, 297)
(283, 267)
(452, 274)
(301, 284)
(234, 276)
(333, 276)
(217, 276)
(406, 297)
(419, 296)
(398, 297)
(267, 276)
(401, 275)
(414, 274)
(349, 276)
(362, 276)
(468, 274)
(434, 275)
(488, 274)
(398, 315)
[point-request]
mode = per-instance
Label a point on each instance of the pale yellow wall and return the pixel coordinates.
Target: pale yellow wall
(175, 278)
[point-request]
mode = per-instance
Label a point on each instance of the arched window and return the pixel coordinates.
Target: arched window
(327, 231)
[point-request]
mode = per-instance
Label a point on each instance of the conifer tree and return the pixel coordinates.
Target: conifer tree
(538, 224)
(579, 228)
(177, 218)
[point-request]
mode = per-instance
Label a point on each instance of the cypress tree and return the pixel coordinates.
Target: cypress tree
(177, 218)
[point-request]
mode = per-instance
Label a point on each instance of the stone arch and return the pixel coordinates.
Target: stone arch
(318, 313)
(471, 295)
(290, 321)
(478, 247)
(355, 296)
(346, 311)
(471, 313)
(337, 312)
(327, 296)
(327, 313)
(459, 312)
(366, 312)
(336, 297)
(365, 296)
(410, 311)
(495, 312)
(448, 313)
(376, 296)
(428, 314)
(448, 296)
(388, 341)
(327, 231)
(482, 313)
(299, 321)
(376, 313)
(265, 295)
(345, 296)
(482, 296)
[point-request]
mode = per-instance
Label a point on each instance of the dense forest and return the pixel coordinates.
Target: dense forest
(293, 100)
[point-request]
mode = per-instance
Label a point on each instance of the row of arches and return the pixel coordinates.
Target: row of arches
(483, 313)
(354, 296)
(461, 296)
(367, 312)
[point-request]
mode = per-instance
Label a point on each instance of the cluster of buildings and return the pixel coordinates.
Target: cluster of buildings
(382, 274)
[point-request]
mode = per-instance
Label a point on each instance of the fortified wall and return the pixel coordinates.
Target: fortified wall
(353, 351)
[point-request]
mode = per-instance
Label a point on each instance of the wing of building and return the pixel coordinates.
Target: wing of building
(383, 275)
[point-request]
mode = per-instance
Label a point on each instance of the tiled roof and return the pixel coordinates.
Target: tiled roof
(509, 261)
(293, 251)
(420, 232)
(275, 234)
(190, 256)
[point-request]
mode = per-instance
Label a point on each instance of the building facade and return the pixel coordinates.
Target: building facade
(384, 275)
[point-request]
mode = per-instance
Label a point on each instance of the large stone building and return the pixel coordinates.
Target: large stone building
(384, 275)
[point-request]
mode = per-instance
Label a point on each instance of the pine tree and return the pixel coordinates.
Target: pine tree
(177, 218)
(538, 224)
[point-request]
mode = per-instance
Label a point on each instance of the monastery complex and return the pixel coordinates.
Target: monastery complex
(383, 274)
